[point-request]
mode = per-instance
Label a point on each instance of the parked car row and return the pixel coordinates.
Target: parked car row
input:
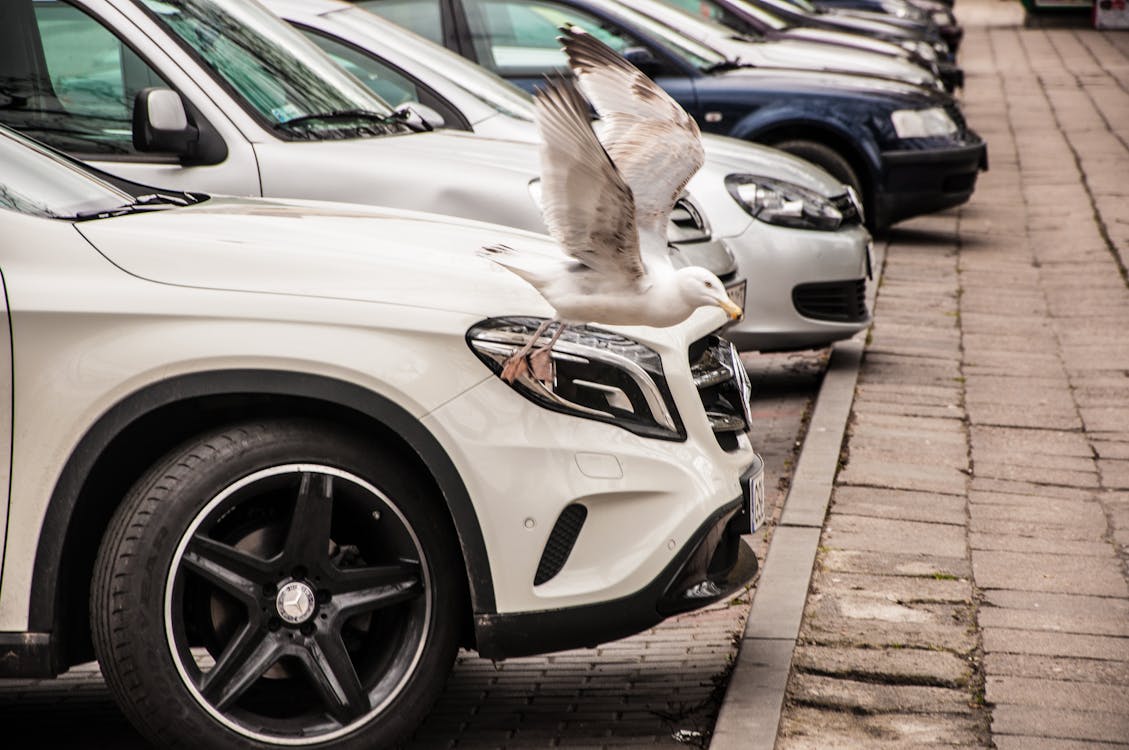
(258, 464)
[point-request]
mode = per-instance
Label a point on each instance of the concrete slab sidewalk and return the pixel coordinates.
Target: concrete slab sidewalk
(969, 581)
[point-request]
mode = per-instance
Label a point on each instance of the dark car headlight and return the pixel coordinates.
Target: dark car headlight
(933, 122)
(783, 203)
(599, 375)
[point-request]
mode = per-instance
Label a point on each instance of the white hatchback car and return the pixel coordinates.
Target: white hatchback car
(261, 464)
(796, 232)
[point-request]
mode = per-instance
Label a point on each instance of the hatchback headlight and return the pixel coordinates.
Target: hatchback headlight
(922, 123)
(783, 203)
(598, 375)
(922, 49)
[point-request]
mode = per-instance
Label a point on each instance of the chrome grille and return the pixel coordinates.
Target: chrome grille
(724, 387)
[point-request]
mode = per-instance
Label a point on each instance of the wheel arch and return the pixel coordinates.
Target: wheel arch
(145, 425)
(863, 158)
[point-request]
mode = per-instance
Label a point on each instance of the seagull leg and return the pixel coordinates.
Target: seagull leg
(541, 361)
(516, 364)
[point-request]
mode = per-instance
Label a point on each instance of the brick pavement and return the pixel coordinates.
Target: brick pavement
(972, 585)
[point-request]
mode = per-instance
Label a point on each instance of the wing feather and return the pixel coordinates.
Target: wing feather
(654, 143)
(587, 206)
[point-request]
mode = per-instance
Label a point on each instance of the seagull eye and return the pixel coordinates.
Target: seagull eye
(709, 285)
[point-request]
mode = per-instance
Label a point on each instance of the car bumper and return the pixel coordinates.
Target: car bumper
(922, 181)
(713, 564)
(787, 273)
(951, 75)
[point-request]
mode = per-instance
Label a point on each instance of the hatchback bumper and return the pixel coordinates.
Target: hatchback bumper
(923, 181)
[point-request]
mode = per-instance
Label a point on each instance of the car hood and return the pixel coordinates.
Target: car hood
(829, 84)
(811, 55)
(484, 179)
(315, 249)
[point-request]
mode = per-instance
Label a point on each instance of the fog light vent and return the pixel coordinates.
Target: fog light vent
(559, 545)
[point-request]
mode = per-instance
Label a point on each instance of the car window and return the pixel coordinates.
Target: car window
(69, 81)
(276, 74)
(38, 182)
(390, 85)
(519, 37)
(421, 16)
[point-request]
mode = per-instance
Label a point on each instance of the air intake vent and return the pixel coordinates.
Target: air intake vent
(839, 301)
(559, 546)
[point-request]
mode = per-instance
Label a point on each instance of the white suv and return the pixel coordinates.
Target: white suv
(263, 468)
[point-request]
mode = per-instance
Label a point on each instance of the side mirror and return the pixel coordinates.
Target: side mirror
(422, 114)
(161, 124)
(644, 59)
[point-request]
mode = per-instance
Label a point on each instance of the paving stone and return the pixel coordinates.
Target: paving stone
(806, 728)
(893, 536)
(868, 697)
(1016, 641)
(1058, 668)
(1056, 723)
(1027, 742)
(899, 505)
(1047, 572)
(1015, 543)
(901, 589)
(1058, 694)
(1016, 442)
(879, 563)
(891, 666)
(1050, 512)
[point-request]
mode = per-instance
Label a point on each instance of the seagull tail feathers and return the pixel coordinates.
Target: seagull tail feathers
(510, 259)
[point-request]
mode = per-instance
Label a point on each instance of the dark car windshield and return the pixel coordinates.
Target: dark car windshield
(39, 182)
(278, 74)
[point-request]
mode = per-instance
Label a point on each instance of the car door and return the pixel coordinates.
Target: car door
(72, 70)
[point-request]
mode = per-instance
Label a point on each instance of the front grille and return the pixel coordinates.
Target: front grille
(723, 386)
(560, 542)
(840, 301)
(687, 223)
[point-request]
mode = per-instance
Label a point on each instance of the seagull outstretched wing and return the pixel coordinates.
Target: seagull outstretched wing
(654, 143)
(587, 206)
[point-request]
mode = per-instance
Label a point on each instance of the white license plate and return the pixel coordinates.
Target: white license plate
(736, 292)
(756, 500)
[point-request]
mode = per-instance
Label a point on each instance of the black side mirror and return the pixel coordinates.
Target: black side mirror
(425, 115)
(161, 124)
(644, 59)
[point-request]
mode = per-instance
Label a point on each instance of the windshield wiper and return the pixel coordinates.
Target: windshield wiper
(395, 118)
(142, 204)
(724, 65)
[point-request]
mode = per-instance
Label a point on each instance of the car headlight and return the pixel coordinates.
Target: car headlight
(599, 375)
(943, 18)
(922, 123)
(783, 203)
(923, 50)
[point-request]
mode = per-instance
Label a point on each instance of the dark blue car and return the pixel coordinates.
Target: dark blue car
(905, 149)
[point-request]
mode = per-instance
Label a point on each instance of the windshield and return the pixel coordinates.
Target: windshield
(696, 53)
(487, 86)
(698, 19)
(281, 77)
(790, 6)
(39, 182)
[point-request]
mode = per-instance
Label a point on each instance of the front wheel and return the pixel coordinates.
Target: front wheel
(277, 585)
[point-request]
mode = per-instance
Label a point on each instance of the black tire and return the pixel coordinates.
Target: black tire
(278, 584)
(831, 161)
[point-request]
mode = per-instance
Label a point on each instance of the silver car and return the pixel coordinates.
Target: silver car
(806, 275)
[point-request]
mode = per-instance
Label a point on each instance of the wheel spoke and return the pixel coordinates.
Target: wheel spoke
(231, 569)
(251, 653)
(335, 678)
(366, 589)
(307, 540)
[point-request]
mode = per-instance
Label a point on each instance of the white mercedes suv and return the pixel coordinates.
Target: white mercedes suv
(261, 466)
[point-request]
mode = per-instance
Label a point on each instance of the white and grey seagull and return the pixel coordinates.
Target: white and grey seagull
(607, 204)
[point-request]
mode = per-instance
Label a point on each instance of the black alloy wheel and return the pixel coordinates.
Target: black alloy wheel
(278, 585)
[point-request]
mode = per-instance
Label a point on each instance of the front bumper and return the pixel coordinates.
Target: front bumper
(782, 266)
(923, 181)
(714, 563)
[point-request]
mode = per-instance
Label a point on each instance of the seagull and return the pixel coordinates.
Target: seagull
(607, 204)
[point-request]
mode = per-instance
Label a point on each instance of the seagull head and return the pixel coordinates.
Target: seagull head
(700, 287)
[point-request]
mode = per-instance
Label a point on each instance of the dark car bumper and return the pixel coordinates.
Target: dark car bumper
(714, 563)
(951, 75)
(922, 181)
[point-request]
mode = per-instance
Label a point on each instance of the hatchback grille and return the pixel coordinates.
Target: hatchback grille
(840, 301)
(723, 386)
(560, 543)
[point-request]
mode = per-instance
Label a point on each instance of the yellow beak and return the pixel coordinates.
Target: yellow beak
(729, 307)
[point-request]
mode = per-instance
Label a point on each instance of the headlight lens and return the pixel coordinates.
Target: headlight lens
(599, 375)
(783, 203)
(922, 49)
(922, 123)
